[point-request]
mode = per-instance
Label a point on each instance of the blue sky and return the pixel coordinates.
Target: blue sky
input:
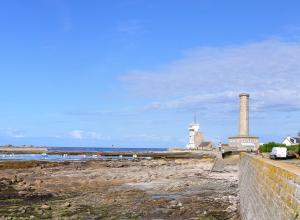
(133, 72)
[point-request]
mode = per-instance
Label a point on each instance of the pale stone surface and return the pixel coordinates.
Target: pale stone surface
(268, 189)
(243, 142)
(123, 189)
(198, 138)
(244, 114)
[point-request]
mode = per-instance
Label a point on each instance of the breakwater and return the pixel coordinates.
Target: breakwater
(268, 189)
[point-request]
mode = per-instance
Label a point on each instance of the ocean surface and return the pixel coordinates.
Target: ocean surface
(66, 157)
(104, 149)
(58, 157)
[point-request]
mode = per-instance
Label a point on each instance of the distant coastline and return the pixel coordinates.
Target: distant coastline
(26, 149)
(8, 149)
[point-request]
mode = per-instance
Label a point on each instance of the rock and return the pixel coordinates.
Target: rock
(46, 207)
(165, 211)
(174, 204)
(233, 185)
(39, 182)
(40, 212)
(161, 211)
(22, 193)
(14, 179)
(231, 209)
(23, 210)
(6, 182)
(161, 162)
(66, 205)
(19, 179)
(21, 183)
(74, 217)
(182, 211)
(31, 217)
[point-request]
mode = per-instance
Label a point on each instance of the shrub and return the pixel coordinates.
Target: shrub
(268, 146)
(294, 149)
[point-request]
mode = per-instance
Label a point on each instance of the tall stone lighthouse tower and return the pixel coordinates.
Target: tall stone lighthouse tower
(244, 141)
(244, 114)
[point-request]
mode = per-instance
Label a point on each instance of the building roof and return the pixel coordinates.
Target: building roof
(293, 140)
(245, 94)
(205, 144)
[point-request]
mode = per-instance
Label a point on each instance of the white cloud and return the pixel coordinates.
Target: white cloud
(149, 137)
(130, 27)
(10, 132)
(269, 70)
(193, 101)
(80, 134)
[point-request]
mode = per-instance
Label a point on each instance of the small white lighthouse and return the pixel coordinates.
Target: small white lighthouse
(195, 137)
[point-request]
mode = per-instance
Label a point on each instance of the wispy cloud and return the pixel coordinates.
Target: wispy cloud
(131, 27)
(269, 70)
(101, 114)
(81, 134)
(67, 23)
(63, 12)
(193, 101)
(149, 137)
(13, 133)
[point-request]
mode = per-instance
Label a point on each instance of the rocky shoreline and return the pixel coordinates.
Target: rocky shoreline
(153, 154)
(120, 189)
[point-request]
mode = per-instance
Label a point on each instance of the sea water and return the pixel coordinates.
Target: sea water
(104, 149)
(55, 157)
(66, 157)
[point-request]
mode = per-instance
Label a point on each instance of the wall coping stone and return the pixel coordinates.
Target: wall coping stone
(282, 164)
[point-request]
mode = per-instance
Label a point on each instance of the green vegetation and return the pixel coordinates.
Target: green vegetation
(268, 147)
(294, 149)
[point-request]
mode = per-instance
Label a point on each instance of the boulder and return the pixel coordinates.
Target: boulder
(46, 207)
(66, 205)
(22, 193)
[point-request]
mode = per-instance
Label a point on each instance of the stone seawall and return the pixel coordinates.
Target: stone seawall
(269, 190)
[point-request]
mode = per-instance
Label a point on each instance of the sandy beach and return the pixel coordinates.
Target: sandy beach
(120, 189)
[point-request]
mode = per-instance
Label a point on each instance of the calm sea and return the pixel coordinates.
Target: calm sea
(105, 149)
(66, 157)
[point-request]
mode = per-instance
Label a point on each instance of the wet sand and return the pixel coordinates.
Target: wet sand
(120, 189)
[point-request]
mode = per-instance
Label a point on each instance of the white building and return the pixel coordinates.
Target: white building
(195, 136)
(290, 141)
